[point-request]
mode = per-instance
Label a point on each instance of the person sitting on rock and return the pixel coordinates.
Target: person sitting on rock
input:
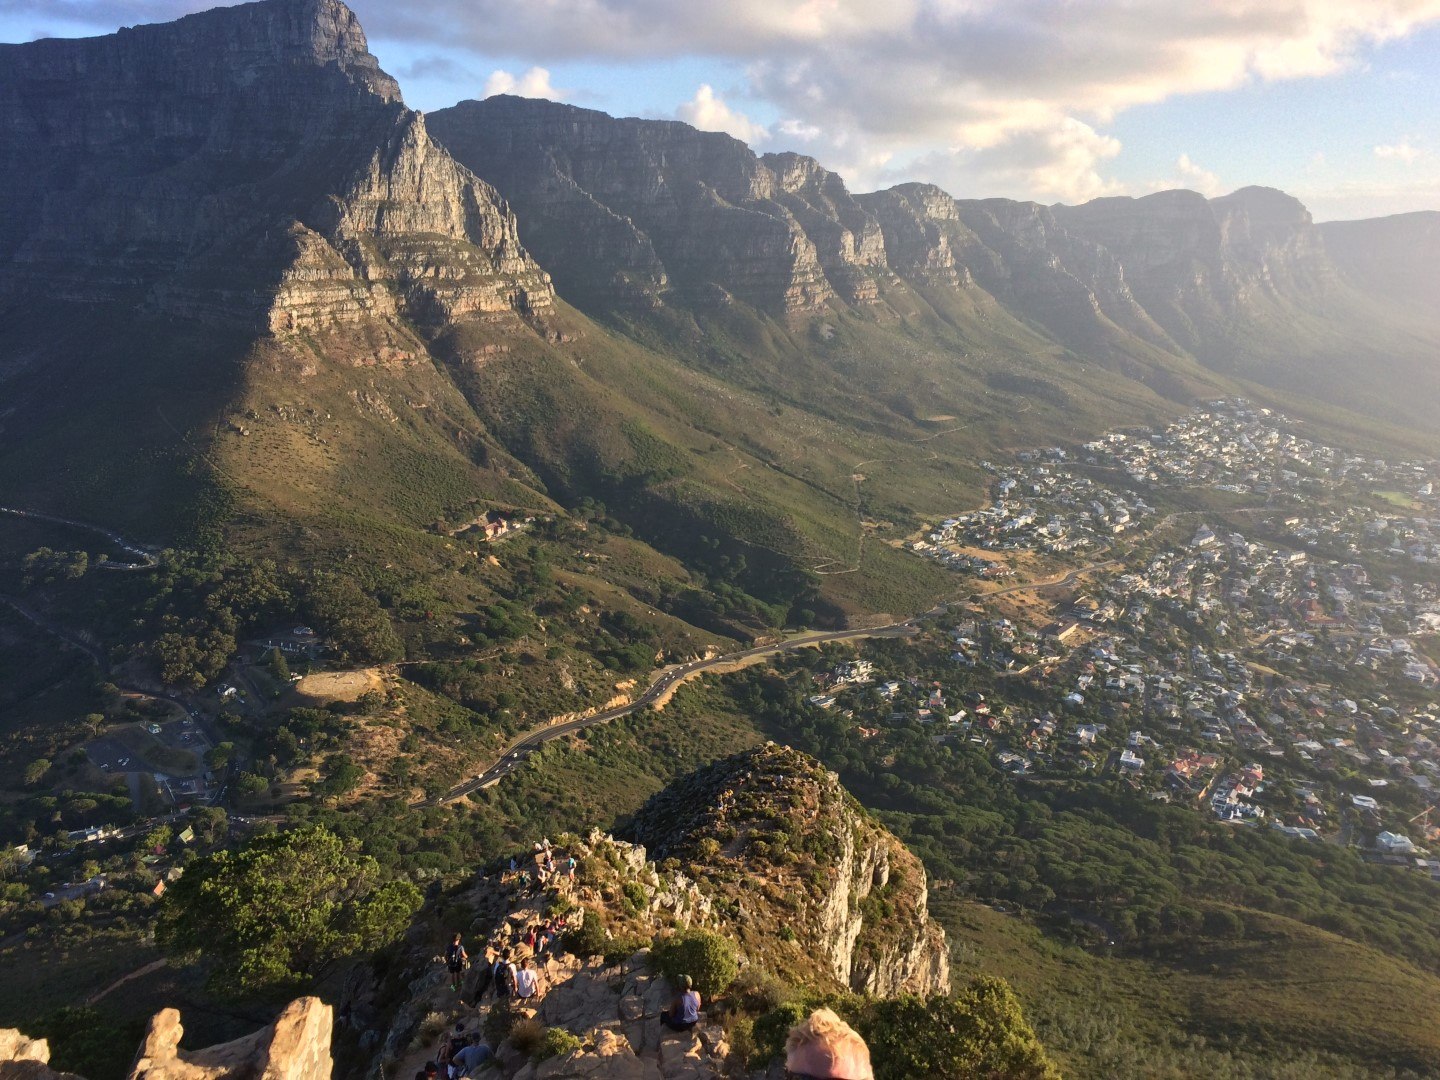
(470, 1058)
(527, 980)
(684, 1011)
(824, 1047)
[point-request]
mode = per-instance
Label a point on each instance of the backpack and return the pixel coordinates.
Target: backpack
(455, 957)
(505, 980)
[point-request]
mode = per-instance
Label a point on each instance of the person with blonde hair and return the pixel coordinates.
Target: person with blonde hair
(824, 1047)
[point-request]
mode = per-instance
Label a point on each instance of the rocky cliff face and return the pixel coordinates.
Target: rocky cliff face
(249, 165)
(1196, 264)
(625, 210)
(779, 842)
(295, 1047)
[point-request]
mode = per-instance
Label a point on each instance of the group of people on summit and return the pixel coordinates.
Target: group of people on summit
(822, 1047)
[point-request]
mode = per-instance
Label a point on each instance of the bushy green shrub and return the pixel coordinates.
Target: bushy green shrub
(589, 938)
(754, 991)
(707, 958)
(768, 1034)
(979, 1032)
(557, 1042)
(498, 1022)
(636, 899)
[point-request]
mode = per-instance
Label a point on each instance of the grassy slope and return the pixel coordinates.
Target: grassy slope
(1284, 992)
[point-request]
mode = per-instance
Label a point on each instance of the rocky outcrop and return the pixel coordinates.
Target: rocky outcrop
(778, 842)
(295, 1047)
(925, 240)
(615, 1014)
(249, 165)
(847, 238)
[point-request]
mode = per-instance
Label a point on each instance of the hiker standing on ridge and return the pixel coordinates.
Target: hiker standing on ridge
(456, 958)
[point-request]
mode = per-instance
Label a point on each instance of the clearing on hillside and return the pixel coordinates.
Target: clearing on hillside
(328, 686)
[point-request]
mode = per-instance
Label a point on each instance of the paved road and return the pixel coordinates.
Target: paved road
(147, 560)
(521, 748)
(514, 755)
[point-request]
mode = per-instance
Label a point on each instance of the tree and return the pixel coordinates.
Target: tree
(282, 911)
(211, 824)
(35, 771)
(251, 786)
(980, 1032)
(278, 667)
(341, 776)
(220, 755)
(707, 958)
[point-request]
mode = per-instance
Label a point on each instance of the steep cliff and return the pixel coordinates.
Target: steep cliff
(250, 165)
(1197, 265)
(778, 842)
(626, 210)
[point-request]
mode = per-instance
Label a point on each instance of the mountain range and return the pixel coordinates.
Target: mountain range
(249, 293)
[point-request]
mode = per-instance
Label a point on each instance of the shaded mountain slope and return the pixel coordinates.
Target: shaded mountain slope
(1395, 257)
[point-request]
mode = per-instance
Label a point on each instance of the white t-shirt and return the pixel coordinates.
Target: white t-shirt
(526, 982)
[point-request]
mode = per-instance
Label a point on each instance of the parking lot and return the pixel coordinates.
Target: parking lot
(175, 748)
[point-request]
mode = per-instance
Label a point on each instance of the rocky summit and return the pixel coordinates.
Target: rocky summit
(779, 842)
(763, 850)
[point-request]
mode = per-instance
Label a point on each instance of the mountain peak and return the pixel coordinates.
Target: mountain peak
(1264, 205)
(212, 51)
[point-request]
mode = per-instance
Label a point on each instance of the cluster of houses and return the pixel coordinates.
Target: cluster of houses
(1350, 531)
(1236, 447)
(1039, 506)
(1294, 650)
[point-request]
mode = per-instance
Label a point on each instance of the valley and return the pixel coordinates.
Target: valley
(384, 493)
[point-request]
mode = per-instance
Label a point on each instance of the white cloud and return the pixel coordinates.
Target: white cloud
(1190, 175)
(1362, 198)
(709, 112)
(973, 86)
(797, 130)
(1403, 151)
(969, 86)
(1061, 162)
(534, 83)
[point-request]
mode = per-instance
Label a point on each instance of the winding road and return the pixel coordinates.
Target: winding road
(515, 754)
(522, 747)
(147, 560)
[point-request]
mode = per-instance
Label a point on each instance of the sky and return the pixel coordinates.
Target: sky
(1334, 101)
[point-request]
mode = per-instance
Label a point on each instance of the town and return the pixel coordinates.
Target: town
(1272, 663)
